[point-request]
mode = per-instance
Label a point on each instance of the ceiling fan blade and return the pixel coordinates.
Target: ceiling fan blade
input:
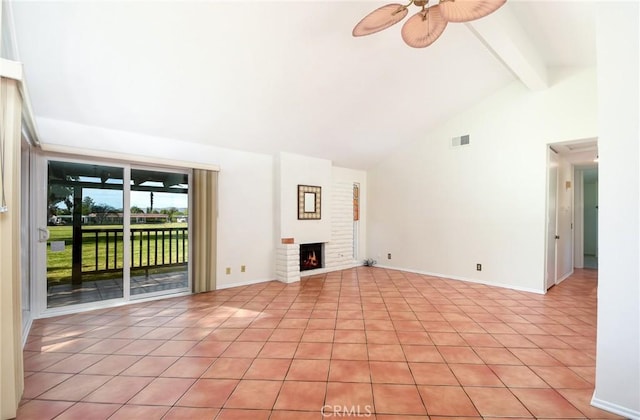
(381, 18)
(468, 10)
(423, 28)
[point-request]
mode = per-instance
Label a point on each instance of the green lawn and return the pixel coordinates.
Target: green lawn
(59, 262)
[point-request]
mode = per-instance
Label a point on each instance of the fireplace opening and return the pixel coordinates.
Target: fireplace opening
(310, 256)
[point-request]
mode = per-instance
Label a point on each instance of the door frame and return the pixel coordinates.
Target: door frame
(551, 232)
(27, 243)
(579, 155)
(578, 218)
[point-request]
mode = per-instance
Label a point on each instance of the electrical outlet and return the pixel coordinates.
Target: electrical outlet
(389, 256)
(243, 268)
(228, 270)
(478, 267)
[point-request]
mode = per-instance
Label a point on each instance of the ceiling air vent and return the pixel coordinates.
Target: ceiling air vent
(460, 141)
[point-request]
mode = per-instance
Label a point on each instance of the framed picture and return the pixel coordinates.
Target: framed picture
(309, 202)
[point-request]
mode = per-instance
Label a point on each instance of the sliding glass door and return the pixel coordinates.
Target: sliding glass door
(159, 231)
(84, 218)
(114, 232)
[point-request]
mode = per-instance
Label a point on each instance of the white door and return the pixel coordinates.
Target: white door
(552, 218)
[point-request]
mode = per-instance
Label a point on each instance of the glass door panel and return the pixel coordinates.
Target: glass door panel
(85, 249)
(159, 232)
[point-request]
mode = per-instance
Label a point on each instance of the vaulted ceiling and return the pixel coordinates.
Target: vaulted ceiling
(269, 76)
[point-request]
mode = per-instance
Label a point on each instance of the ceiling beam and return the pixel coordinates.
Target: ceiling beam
(504, 37)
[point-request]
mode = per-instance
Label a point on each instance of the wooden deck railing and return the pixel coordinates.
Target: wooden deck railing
(150, 248)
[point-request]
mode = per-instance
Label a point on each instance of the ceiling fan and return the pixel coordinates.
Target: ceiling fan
(424, 27)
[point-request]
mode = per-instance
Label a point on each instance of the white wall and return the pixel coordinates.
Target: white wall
(618, 347)
(245, 218)
(6, 37)
(564, 205)
(245, 187)
(295, 170)
(441, 210)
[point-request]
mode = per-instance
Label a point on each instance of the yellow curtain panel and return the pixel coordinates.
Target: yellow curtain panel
(205, 218)
(11, 368)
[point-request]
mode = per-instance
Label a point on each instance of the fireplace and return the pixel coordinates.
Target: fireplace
(310, 256)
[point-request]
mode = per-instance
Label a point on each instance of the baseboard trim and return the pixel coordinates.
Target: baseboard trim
(615, 409)
(25, 331)
(566, 276)
(458, 278)
(303, 274)
(242, 283)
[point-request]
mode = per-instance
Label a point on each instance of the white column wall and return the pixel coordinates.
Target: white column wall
(294, 170)
(618, 347)
(339, 250)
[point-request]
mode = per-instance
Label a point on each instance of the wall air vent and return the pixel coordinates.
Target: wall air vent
(460, 141)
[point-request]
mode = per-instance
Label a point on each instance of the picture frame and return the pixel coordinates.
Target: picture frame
(309, 202)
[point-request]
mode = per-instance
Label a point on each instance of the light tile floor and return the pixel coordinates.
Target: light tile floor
(366, 340)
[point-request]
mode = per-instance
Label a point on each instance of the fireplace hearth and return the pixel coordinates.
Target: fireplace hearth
(310, 256)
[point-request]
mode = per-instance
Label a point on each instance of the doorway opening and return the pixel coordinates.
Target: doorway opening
(553, 163)
(571, 209)
(586, 232)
